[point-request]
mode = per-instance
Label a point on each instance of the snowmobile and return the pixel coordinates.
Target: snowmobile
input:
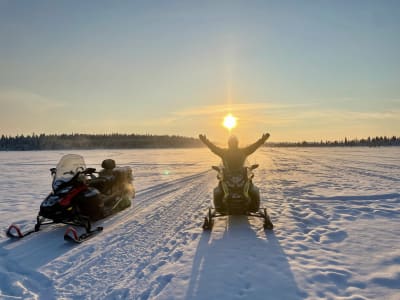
(237, 199)
(80, 196)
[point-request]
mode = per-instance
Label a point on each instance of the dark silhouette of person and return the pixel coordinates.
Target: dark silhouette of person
(233, 159)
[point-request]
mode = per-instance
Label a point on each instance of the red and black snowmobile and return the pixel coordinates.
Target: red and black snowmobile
(238, 197)
(81, 195)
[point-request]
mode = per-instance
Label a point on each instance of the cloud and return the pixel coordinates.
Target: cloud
(225, 108)
(374, 115)
(348, 115)
(17, 100)
(276, 114)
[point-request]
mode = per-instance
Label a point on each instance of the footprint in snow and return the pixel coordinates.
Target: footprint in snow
(334, 237)
(175, 256)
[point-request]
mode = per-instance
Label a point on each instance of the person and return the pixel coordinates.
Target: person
(233, 159)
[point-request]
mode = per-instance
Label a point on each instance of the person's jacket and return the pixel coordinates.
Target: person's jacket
(234, 159)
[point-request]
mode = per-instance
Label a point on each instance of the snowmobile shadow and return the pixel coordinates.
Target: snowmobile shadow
(38, 249)
(238, 259)
(21, 261)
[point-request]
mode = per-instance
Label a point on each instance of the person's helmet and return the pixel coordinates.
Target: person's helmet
(108, 164)
(233, 141)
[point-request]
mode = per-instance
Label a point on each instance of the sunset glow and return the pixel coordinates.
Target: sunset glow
(198, 62)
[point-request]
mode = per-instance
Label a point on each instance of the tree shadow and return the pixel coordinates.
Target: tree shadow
(238, 261)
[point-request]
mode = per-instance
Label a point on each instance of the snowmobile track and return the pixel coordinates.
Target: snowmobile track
(167, 213)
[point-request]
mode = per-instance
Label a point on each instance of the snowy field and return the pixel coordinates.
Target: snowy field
(336, 213)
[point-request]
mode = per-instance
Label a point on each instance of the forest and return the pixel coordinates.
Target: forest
(138, 141)
(94, 141)
(365, 142)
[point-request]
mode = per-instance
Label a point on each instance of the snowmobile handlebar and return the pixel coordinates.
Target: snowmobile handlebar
(86, 171)
(89, 171)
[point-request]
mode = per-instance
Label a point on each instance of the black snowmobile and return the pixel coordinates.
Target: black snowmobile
(81, 195)
(236, 198)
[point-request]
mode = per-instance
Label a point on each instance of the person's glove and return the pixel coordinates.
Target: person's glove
(202, 137)
(265, 136)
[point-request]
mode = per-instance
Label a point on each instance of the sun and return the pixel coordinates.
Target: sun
(229, 121)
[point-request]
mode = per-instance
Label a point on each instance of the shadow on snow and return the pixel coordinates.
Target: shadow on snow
(234, 261)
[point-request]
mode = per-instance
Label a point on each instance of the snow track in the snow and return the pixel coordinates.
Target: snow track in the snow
(336, 213)
(139, 242)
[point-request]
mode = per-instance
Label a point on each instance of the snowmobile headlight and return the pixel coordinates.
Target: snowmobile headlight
(50, 201)
(230, 184)
(56, 184)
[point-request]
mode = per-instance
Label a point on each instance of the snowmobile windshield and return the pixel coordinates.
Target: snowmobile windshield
(68, 166)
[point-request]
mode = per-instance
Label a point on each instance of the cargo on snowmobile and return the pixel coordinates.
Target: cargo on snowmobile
(80, 195)
(237, 198)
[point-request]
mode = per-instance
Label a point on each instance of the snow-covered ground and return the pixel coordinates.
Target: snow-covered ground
(336, 213)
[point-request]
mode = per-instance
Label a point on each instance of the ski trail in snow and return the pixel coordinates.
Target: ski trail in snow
(31, 285)
(135, 245)
(322, 219)
(235, 261)
(336, 214)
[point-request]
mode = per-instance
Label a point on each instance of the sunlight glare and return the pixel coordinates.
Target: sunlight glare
(229, 121)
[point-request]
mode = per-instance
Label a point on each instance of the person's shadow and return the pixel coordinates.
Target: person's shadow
(239, 260)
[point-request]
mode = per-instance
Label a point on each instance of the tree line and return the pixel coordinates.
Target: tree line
(94, 141)
(137, 141)
(365, 142)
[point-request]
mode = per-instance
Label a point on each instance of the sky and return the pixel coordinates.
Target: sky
(300, 70)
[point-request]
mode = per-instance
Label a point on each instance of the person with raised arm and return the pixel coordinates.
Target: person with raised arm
(233, 159)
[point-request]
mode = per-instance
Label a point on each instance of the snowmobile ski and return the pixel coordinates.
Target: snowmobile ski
(71, 235)
(267, 221)
(15, 232)
(208, 220)
(212, 214)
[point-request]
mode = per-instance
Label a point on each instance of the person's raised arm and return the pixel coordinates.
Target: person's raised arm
(210, 145)
(253, 147)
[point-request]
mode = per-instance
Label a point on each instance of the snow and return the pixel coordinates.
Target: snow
(336, 213)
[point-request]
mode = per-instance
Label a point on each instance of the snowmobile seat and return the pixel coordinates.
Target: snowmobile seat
(106, 176)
